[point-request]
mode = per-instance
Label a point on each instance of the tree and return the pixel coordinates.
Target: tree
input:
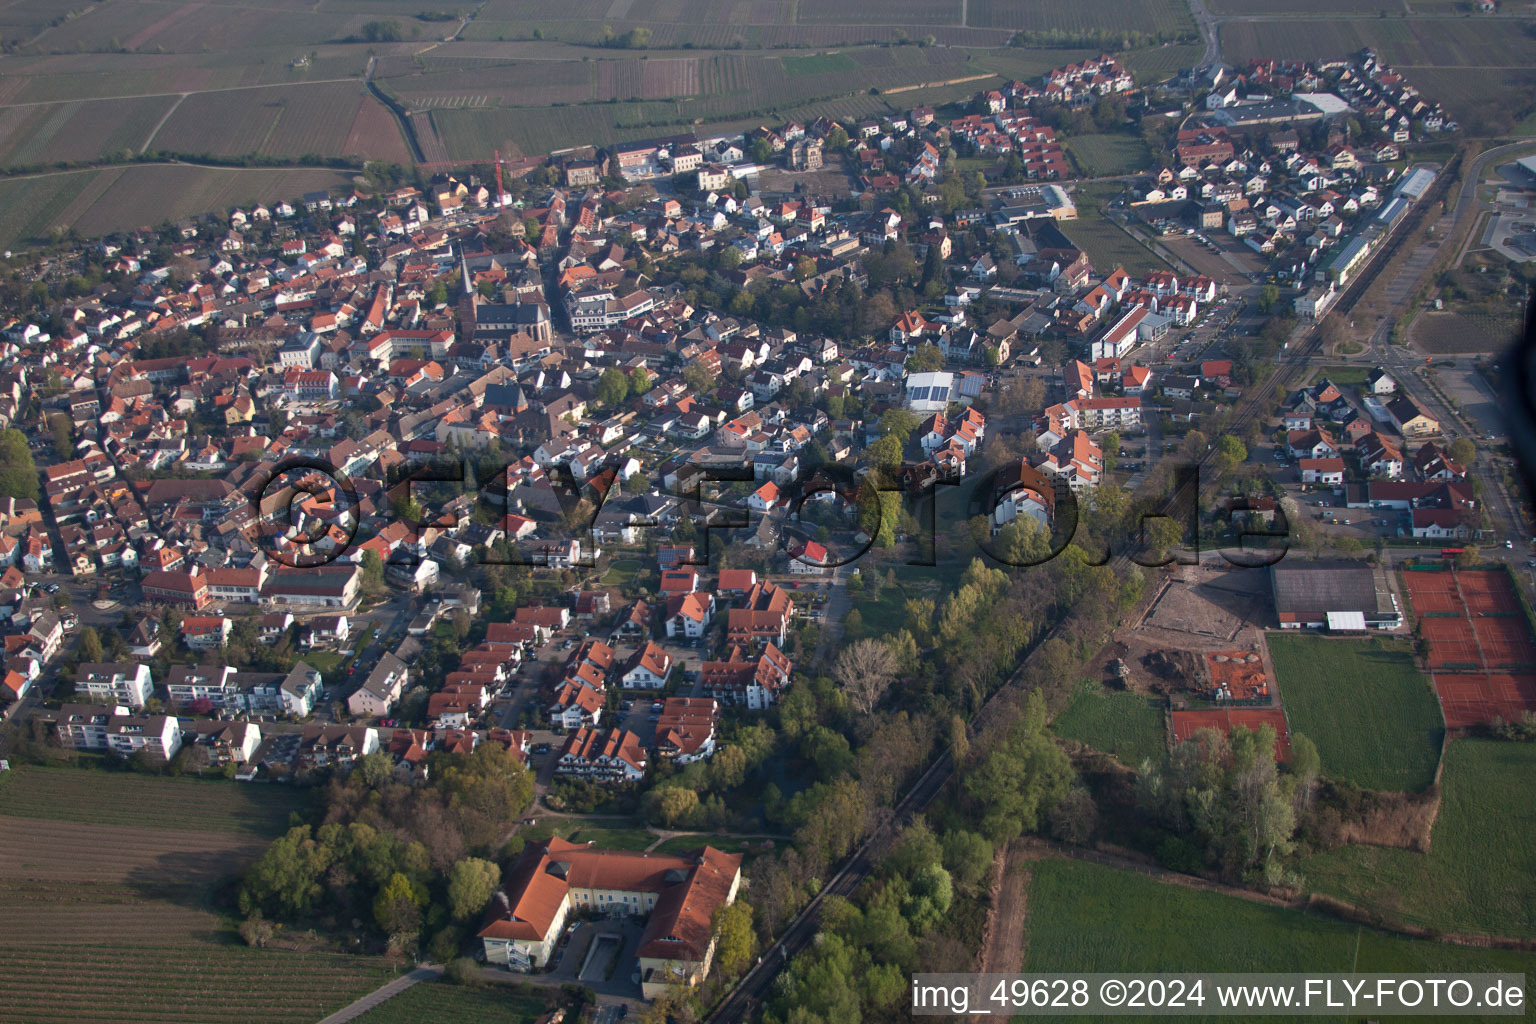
(397, 907)
(885, 453)
(90, 645)
(256, 930)
(698, 378)
(733, 937)
(63, 435)
(612, 387)
(471, 883)
(675, 804)
(1462, 450)
(18, 473)
(1230, 453)
(926, 359)
(968, 856)
(1074, 816)
(865, 670)
(1021, 779)
(639, 381)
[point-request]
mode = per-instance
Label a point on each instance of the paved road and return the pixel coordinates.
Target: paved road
(383, 994)
(1210, 31)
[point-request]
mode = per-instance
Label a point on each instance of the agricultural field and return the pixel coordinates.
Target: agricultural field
(1106, 243)
(106, 890)
(1155, 63)
(1453, 333)
(121, 798)
(1462, 62)
(1082, 15)
(1124, 724)
(1078, 914)
(55, 78)
(151, 193)
(276, 121)
(180, 26)
(159, 985)
(78, 130)
(1101, 156)
(442, 1001)
(1480, 871)
(1365, 704)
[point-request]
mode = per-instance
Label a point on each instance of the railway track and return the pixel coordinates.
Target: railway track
(1306, 341)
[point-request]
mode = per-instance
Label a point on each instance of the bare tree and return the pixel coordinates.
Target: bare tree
(865, 670)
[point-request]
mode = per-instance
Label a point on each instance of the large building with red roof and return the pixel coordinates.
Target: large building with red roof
(680, 892)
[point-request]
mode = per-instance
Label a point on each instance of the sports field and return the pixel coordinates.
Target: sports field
(1078, 913)
(1366, 706)
(1480, 871)
(1480, 646)
(1128, 725)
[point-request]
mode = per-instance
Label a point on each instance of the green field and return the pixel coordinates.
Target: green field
(1085, 917)
(1125, 724)
(1105, 242)
(1345, 375)
(123, 798)
(1100, 156)
(819, 64)
(441, 1001)
(577, 831)
(1480, 873)
(725, 844)
(1367, 707)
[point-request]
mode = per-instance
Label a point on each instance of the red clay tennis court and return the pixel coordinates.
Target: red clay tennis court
(1485, 591)
(1432, 592)
(1488, 632)
(1187, 723)
(1452, 643)
(1506, 641)
(1472, 698)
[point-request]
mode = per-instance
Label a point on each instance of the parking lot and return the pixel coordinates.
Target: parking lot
(1217, 255)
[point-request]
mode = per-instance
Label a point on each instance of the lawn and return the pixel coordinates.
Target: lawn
(1127, 725)
(622, 572)
(819, 64)
(145, 801)
(441, 1001)
(1481, 869)
(1078, 914)
(577, 831)
(1346, 375)
(614, 838)
(1370, 711)
(327, 663)
(725, 844)
(1104, 155)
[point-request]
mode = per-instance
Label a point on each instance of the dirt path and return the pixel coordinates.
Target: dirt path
(1006, 938)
